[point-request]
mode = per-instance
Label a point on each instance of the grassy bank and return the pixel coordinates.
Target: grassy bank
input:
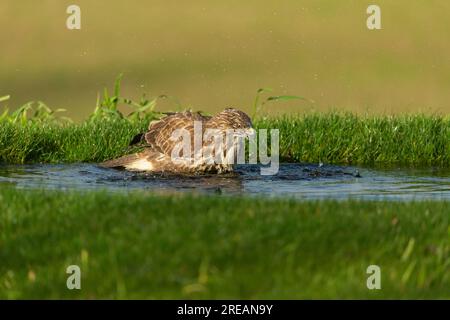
(141, 246)
(90, 141)
(348, 139)
(329, 138)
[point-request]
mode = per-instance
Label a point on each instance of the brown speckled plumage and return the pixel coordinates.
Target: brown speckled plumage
(157, 156)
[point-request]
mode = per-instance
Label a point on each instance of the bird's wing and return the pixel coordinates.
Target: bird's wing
(160, 131)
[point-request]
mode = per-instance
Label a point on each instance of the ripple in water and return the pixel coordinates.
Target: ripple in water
(302, 181)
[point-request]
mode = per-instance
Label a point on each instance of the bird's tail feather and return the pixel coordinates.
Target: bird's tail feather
(120, 162)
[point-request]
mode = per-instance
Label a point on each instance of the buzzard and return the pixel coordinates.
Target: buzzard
(162, 153)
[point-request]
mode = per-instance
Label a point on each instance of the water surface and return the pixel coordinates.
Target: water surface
(302, 181)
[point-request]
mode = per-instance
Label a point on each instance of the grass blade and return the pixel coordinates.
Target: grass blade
(5, 98)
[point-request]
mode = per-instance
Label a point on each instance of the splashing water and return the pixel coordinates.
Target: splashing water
(302, 181)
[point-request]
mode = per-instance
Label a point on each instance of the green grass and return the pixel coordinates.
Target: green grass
(349, 139)
(90, 141)
(329, 138)
(36, 133)
(147, 246)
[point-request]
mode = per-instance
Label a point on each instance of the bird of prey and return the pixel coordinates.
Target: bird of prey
(162, 153)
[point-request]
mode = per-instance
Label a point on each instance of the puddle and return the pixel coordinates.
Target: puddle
(334, 182)
(293, 180)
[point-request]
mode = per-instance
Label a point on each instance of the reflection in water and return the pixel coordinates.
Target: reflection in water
(293, 180)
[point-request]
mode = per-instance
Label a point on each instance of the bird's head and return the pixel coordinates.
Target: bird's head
(235, 119)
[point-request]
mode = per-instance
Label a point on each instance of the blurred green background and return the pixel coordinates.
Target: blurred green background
(214, 54)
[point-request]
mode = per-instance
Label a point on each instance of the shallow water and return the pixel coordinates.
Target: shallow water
(301, 181)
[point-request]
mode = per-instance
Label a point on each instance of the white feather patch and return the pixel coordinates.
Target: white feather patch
(140, 165)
